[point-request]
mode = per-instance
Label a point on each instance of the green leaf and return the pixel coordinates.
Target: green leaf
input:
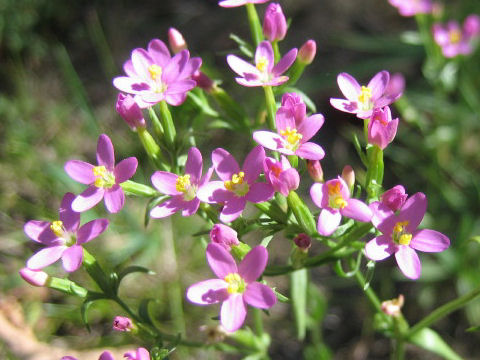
(298, 294)
(202, 104)
(429, 340)
(143, 311)
(243, 45)
(280, 297)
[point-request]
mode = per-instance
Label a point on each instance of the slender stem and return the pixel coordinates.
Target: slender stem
(276, 51)
(444, 310)
(167, 123)
(152, 148)
(157, 126)
(399, 347)
(258, 321)
(254, 22)
(374, 300)
(271, 106)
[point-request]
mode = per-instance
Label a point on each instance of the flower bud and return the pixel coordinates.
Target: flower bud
(349, 176)
(122, 323)
(176, 40)
(292, 106)
(315, 170)
(471, 26)
(381, 128)
(281, 175)
(130, 111)
(393, 307)
(394, 198)
(34, 277)
(274, 23)
(224, 236)
(307, 52)
(203, 81)
(303, 241)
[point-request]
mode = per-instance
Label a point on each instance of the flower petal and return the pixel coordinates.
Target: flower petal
(260, 192)
(357, 210)
(429, 241)
(310, 126)
(233, 209)
(72, 258)
(380, 213)
(167, 208)
(214, 192)
(285, 62)
(270, 140)
(380, 248)
(259, 295)
(141, 61)
(80, 171)
(190, 207)
(265, 50)
(175, 67)
(158, 51)
(194, 163)
(310, 151)
(233, 312)
(91, 230)
(125, 169)
(413, 211)
(105, 153)
(220, 261)
(165, 182)
(328, 221)
(90, 197)
(130, 85)
(114, 199)
(253, 264)
(253, 164)
(39, 231)
(349, 87)
(45, 257)
(378, 84)
(70, 218)
(208, 292)
(408, 262)
(225, 164)
(344, 105)
(240, 66)
(106, 355)
(319, 195)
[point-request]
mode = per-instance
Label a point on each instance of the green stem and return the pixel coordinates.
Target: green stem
(399, 347)
(258, 321)
(444, 310)
(167, 123)
(152, 149)
(271, 106)
(96, 273)
(66, 286)
(374, 300)
(254, 22)
(157, 126)
(276, 51)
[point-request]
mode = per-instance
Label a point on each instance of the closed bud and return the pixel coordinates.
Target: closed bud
(394, 198)
(274, 23)
(176, 40)
(130, 111)
(303, 241)
(203, 81)
(122, 323)
(34, 277)
(315, 170)
(307, 52)
(224, 236)
(349, 176)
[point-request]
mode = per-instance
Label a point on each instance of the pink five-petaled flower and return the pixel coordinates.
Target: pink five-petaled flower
(292, 139)
(264, 73)
(454, 40)
(235, 287)
(238, 185)
(281, 175)
(381, 128)
(412, 7)
(333, 198)
(104, 179)
(235, 3)
(139, 354)
(401, 237)
(64, 237)
(153, 76)
(224, 236)
(182, 189)
(362, 100)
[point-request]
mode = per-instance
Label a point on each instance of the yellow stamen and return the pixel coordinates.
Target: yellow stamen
(99, 171)
(400, 235)
(262, 63)
(182, 183)
(405, 239)
(400, 226)
(364, 97)
(291, 135)
(57, 228)
(155, 71)
(335, 198)
(455, 36)
(237, 179)
(339, 202)
(103, 177)
(235, 283)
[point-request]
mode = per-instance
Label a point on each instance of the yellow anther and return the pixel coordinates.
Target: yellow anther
(237, 179)
(291, 135)
(365, 95)
(455, 36)
(99, 171)
(400, 226)
(235, 283)
(405, 239)
(183, 183)
(57, 228)
(155, 71)
(339, 202)
(262, 63)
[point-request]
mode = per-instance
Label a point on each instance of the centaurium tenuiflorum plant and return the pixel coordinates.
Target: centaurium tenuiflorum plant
(456, 40)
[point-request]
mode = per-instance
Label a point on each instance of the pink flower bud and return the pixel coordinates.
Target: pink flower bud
(224, 236)
(130, 111)
(281, 175)
(393, 307)
(292, 106)
(176, 40)
(307, 52)
(203, 81)
(303, 241)
(349, 176)
(381, 128)
(274, 23)
(34, 277)
(471, 26)
(122, 323)
(315, 170)
(394, 198)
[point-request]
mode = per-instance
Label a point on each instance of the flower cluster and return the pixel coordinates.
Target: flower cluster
(456, 40)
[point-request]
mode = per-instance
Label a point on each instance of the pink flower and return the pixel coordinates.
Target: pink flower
(122, 323)
(401, 236)
(153, 76)
(412, 7)
(130, 111)
(182, 189)
(235, 287)
(274, 23)
(103, 180)
(264, 73)
(63, 238)
(235, 3)
(238, 185)
(455, 41)
(381, 128)
(307, 52)
(362, 100)
(139, 354)
(333, 198)
(281, 175)
(224, 236)
(34, 277)
(394, 198)
(292, 106)
(292, 139)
